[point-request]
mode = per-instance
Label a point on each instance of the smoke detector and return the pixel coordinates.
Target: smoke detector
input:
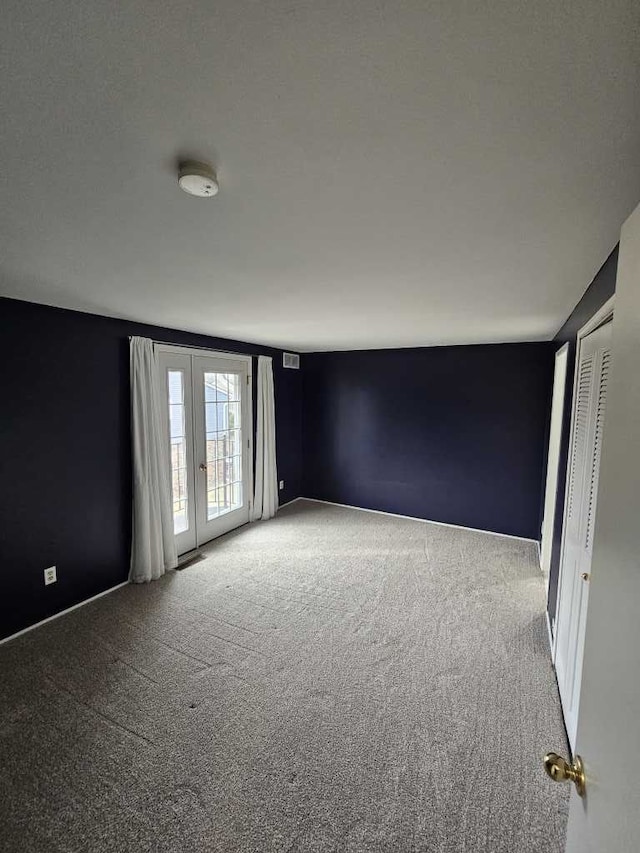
(197, 178)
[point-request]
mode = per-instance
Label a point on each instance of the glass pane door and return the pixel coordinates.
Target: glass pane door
(207, 422)
(221, 446)
(223, 425)
(175, 388)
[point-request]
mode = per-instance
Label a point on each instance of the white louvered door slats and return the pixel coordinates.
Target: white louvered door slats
(576, 472)
(605, 366)
(582, 490)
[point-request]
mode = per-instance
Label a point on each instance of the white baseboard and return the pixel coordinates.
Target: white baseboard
(63, 612)
(292, 501)
(422, 520)
(288, 503)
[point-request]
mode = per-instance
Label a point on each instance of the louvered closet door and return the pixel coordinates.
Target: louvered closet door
(582, 492)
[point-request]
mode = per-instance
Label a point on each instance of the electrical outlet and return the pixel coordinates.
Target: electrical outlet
(281, 485)
(50, 575)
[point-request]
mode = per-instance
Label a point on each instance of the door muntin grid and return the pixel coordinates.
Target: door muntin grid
(178, 450)
(223, 438)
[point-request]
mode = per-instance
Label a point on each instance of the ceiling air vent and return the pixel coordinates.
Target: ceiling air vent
(291, 359)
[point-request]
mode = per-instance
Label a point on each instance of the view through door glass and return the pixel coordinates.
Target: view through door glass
(175, 386)
(221, 415)
(178, 443)
(208, 409)
(223, 426)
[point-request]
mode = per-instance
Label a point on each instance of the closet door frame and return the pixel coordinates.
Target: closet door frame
(602, 316)
(553, 459)
(197, 352)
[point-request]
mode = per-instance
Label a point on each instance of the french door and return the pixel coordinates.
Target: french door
(589, 408)
(207, 420)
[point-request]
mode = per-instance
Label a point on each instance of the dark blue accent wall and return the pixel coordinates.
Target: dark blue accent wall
(453, 434)
(599, 291)
(65, 452)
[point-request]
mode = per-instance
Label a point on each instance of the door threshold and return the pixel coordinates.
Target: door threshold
(185, 560)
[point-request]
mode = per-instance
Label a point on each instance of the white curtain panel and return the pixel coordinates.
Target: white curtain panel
(153, 547)
(265, 502)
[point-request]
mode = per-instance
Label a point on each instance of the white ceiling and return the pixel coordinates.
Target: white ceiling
(392, 172)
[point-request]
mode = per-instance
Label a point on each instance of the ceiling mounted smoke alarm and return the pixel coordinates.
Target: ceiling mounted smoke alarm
(197, 179)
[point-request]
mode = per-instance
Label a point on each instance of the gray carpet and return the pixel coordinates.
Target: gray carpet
(331, 680)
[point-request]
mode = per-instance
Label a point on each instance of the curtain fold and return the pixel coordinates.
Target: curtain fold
(153, 547)
(265, 502)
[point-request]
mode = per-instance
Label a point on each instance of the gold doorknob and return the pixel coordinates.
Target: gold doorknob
(561, 771)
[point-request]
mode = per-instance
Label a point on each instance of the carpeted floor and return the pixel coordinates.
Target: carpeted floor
(331, 680)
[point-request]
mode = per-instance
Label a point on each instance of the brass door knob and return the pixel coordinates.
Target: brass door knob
(561, 771)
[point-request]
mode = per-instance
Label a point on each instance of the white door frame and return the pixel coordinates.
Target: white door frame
(553, 459)
(608, 739)
(602, 315)
(198, 352)
(209, 529)
(185, 541)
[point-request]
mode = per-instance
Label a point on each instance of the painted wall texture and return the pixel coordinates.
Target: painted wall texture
(65, 452)
(453, 434)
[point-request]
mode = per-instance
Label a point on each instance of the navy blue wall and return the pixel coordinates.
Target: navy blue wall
(65, 452)
(601, 288)
(453, 434)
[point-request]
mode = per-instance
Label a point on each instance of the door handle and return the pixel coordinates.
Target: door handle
(561, 771)
(203, 467)
(585, 576)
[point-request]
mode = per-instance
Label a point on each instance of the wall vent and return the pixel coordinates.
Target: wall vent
(291, 359)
